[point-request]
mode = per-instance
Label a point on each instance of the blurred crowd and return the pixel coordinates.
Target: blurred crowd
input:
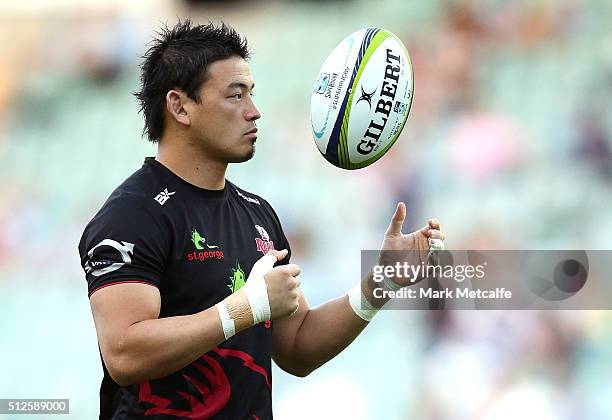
(509, 144)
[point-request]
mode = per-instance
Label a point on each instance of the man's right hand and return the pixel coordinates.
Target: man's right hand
(283, 287)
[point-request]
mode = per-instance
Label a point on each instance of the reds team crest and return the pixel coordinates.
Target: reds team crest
(264, 244)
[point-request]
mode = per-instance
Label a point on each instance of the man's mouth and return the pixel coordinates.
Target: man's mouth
(252, 133)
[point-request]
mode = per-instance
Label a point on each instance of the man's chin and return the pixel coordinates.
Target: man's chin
(243, 157)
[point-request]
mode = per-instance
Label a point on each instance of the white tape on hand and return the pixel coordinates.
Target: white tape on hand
(256, 290)
(262, 266)
(227, 323)
(360, 304)
(390, 285)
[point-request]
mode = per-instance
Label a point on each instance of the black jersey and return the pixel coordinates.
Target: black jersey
(197, 247)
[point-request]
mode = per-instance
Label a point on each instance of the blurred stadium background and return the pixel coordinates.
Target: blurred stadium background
(509, 144)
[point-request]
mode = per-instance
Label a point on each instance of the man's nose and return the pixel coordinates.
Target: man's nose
(252, 112)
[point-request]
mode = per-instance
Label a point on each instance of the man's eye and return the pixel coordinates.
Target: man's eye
(237, 96)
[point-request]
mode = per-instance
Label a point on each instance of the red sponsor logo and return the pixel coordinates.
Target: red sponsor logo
(264, 246)
(204, 255)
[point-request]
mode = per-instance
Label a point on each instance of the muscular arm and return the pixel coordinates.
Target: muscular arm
(136, 345)
(311, 337)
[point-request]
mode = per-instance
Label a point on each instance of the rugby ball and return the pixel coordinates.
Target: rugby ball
(361, 98)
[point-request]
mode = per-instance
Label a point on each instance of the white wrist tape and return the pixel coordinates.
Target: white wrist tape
(229, 327)
(256, 290)
(360, 304)
(390, 285)
(362, 307)
(256, 294)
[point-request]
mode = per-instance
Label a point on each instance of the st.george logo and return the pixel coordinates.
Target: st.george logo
(163, 196)
(199, 241)
(201, 253)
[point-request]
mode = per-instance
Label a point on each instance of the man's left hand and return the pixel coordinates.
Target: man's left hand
(416, 242)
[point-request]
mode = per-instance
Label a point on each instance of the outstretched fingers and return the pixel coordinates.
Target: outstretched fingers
(397, 221)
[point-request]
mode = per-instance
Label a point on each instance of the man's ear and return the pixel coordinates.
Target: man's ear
(175, 104)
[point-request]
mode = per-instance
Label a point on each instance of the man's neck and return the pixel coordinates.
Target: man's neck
(192, 166)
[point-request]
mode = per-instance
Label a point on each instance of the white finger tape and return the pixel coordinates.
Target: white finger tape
(436, 244)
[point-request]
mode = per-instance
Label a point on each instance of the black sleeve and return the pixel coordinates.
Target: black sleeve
(283, 242)
(123, 243)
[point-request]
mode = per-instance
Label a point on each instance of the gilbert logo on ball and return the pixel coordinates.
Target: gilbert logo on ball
(361, 98)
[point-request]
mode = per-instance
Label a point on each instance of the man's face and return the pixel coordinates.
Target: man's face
(224, 120)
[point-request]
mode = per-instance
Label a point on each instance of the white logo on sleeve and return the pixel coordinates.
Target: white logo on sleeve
(163, 196)
(100, 267)
(249, 199)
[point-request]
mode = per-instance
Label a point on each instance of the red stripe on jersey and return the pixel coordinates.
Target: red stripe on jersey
(120, 282)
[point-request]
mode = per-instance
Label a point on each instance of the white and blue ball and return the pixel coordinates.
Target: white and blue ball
(361, 98)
